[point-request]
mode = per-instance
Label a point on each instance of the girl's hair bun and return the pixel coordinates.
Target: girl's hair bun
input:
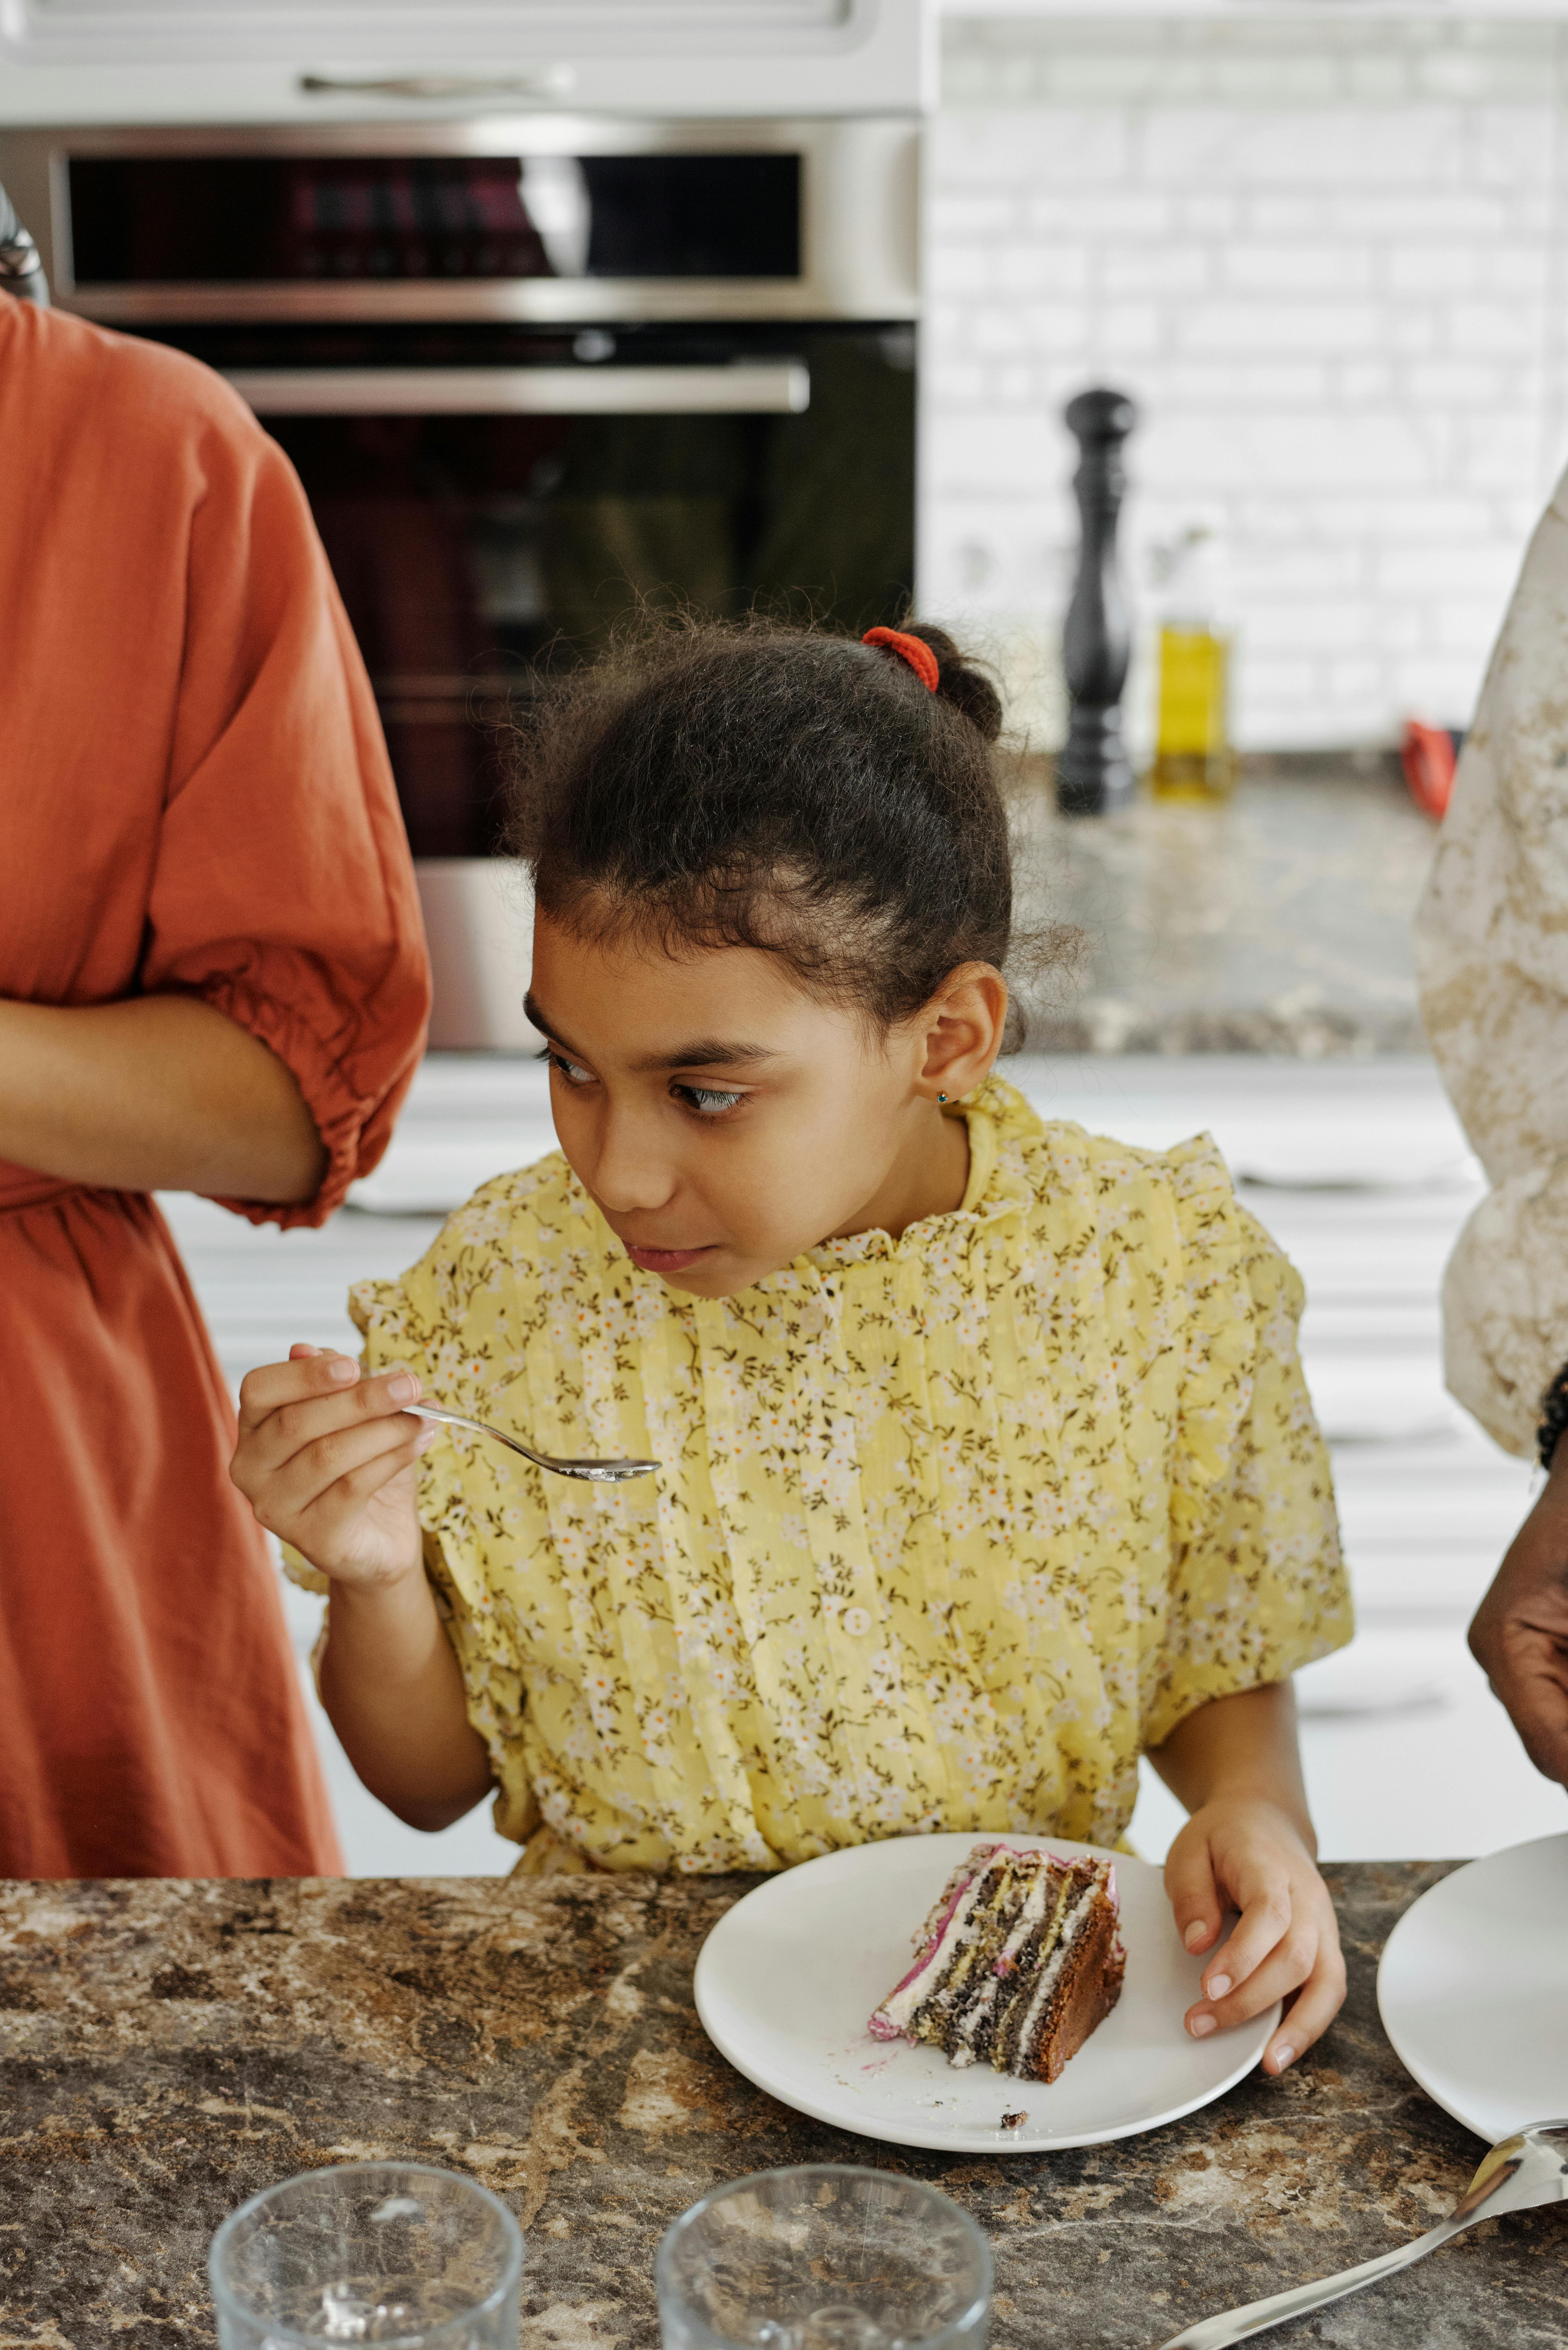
(959, 683)
(753, 784)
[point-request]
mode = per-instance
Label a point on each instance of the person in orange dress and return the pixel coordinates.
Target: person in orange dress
(213, 979)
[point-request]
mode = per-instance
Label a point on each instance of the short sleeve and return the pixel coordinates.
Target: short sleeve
(1258, 1586)
(284, 892)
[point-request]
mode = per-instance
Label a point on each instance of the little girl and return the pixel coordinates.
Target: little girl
(986, 1465)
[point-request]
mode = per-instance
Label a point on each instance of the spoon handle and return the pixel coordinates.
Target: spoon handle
(476, 1428)
(1235, 2325)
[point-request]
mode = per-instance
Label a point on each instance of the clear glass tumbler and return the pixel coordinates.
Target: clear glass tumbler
(824, 2257)
(398, 2253)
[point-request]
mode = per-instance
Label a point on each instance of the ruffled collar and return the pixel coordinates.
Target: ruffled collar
(997, 1117)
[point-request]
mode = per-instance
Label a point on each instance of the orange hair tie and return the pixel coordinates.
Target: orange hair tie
(913, 650)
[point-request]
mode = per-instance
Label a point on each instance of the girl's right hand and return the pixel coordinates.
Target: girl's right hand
(326, 1458)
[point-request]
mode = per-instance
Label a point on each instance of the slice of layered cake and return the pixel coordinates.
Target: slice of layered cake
(1017, 1963)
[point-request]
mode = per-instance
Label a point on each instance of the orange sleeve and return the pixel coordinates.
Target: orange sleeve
(284, 892)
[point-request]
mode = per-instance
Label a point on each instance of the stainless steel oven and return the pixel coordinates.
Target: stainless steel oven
(532, 371)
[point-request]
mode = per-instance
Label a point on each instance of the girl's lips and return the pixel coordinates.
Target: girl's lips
(656, 1260)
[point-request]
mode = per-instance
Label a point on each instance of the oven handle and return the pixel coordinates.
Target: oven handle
(743, 387)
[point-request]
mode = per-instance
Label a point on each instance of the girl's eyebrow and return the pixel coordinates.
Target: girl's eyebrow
(705, 1053)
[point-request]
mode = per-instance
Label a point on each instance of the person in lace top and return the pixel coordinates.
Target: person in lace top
(986, 1463)
(1494, 1000)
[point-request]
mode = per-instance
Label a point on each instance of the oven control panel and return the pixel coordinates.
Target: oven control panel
(539, 219)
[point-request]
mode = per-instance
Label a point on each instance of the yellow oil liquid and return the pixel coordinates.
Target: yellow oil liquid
(1193, 759)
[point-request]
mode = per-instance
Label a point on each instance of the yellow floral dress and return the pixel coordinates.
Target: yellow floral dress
(947, 1529)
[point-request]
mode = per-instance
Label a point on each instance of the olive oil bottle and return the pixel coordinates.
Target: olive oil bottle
(1193, 758)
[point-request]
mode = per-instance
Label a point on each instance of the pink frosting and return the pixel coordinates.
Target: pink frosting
(880, 2027)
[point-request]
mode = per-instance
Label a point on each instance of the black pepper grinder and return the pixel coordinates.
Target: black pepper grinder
(1093, 774)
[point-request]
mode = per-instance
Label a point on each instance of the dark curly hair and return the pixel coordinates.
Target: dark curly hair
(763, 785)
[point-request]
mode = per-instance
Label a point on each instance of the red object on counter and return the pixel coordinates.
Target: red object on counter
(194, 798)
(1429, 755)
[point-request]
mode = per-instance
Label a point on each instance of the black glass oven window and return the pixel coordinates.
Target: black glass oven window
(469, 549)
(246, 219)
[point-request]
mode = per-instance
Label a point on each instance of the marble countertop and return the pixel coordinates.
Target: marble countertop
(1278, 921)
(166, 2049)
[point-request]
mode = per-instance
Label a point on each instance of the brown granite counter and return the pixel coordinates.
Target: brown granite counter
(166, 2049)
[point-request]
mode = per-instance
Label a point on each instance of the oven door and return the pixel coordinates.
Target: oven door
(495, 501)
(486, 508)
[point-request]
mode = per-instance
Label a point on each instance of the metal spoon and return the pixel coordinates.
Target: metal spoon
(1519, 2172)
(597, 1472)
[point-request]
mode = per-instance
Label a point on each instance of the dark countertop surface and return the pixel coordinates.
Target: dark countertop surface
(166, 2049)
(1278, 921)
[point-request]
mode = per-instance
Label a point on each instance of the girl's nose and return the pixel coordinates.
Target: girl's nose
(631, 1174)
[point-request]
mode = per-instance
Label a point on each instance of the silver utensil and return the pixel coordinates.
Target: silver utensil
(597, 1472)
(1519, 2172)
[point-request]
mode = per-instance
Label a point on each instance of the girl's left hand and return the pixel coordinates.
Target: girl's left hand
(1239, 1852)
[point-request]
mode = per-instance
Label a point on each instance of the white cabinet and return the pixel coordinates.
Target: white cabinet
(182, 60)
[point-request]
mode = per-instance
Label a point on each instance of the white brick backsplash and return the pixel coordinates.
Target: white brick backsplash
(1357, 680)
(1036, 149)
(992, 451)
(1294, 453)
(1382, 218)
(1278, 267)
(1443, 268)
(1212, 384)
(1513, 145)
(1118, 219)
(1462, 623)
(1166, 268)
(1272, 682)
(1206, 216)
(1340, 624)
(1257, 325)
(1493, 455)
(1003, 328)
(1509, 329)
(952, 217)
(1329, 260)
(1375, 146)
(1423, 520)
(1483, 573)
(1028, 268)
(1364, 383)
(1299, 572)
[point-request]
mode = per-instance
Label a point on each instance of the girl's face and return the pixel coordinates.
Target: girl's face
(724, 1122)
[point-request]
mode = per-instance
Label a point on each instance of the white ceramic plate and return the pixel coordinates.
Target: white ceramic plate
(1473, 1989)
(787, 1978)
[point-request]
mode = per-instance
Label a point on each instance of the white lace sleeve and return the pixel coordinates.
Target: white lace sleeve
(1492, 951)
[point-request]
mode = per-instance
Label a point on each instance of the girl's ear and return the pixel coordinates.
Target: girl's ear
(962, 1030)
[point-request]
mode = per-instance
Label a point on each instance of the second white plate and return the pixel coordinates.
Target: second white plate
(1473, 1989)
(787, 1978)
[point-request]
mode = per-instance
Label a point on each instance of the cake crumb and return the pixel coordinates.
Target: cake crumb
(1014, 2121)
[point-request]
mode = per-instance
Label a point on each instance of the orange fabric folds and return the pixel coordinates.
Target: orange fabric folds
(194, 797)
